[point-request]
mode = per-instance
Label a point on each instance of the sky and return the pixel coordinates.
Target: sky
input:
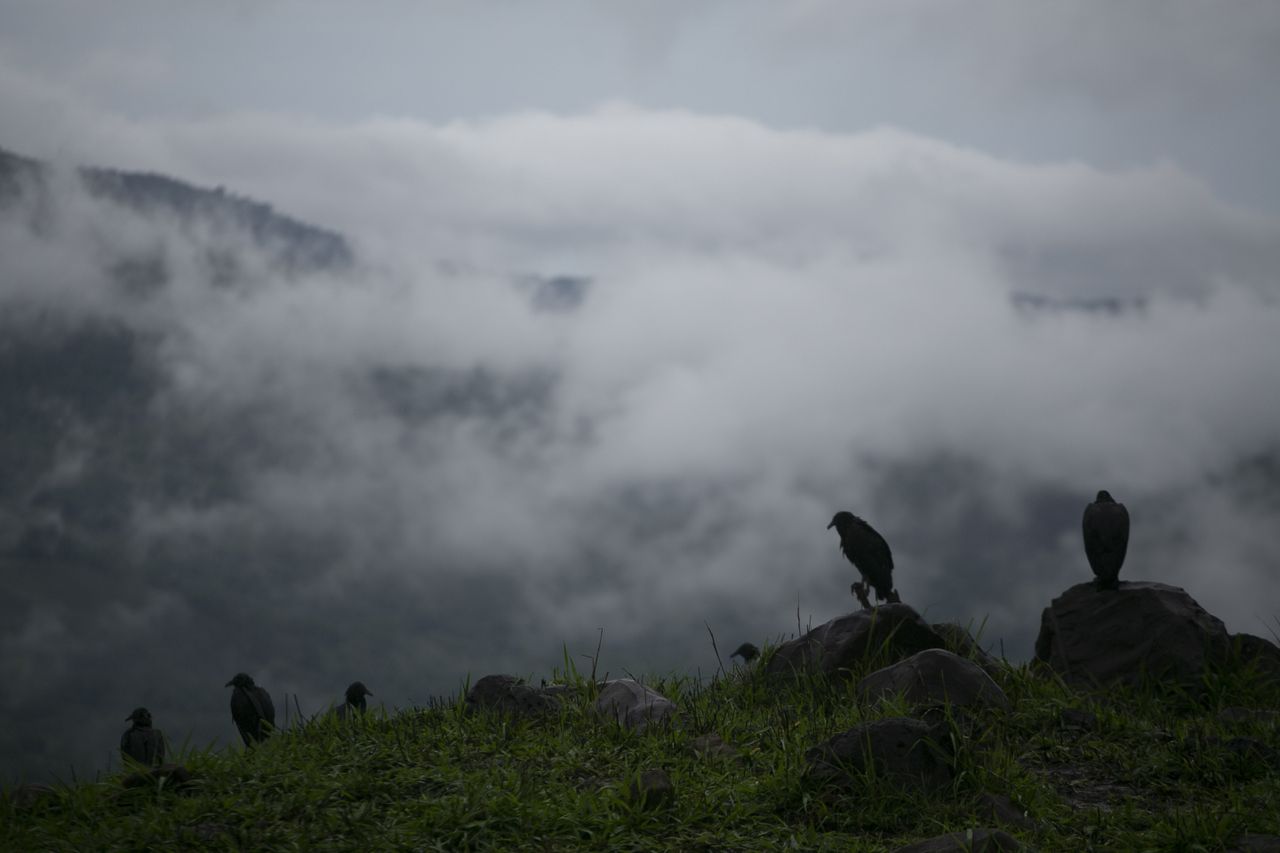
(642, 294)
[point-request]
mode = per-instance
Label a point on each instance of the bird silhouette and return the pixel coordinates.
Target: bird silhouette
(747, 651)
(1106, 538)
(251, 708)
(142, 743)
(354, 700)
(870, 555)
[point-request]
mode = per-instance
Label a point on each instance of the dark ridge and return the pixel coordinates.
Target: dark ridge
(15, 170)
(299, 247)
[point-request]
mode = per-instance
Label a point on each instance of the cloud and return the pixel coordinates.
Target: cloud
(405, 470)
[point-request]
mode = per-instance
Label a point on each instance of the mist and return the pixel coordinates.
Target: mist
(604, 371)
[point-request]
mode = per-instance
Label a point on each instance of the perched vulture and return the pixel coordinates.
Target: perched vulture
(747, 651)
(1106, 538)
(870, 555)
(354, 699)
(251, 708)
(141, 743)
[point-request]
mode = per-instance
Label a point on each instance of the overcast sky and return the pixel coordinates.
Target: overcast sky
(807, 232)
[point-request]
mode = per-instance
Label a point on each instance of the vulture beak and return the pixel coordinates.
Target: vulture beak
(831, 525)
(228, 684)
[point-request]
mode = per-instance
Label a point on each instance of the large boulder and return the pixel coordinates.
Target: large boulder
(634, 705)
(1143, 630)
(507, 694)
(904, 751)
(935, 676)
(846, 642)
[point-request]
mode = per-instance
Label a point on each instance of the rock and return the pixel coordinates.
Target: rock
(1142, 630)
(848, 641)
(652, 791)
(510, 695)
(633, 705)
(1258, 652)
(970, 841)
(712, 746)
(900, 749)
(1253, 843)
(958, 640)
(935, 675)
(174, 776)
(1001, 809)
(30, 795)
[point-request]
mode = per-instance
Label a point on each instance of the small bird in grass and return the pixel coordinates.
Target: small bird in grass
(141, 743)
(747, 651)
(870, 555)
(354, 700)
(251, 708)
(1106, 538)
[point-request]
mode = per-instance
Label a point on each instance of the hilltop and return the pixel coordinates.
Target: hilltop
(1152, 766)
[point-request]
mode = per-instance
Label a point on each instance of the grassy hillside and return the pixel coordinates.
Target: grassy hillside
(1140, 770)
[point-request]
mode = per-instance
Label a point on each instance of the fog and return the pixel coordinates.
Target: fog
(636, 300)
(617, 371)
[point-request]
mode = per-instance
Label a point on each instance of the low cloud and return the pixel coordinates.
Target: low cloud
(407, 469)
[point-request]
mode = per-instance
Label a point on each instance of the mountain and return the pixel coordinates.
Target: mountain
(296, 246)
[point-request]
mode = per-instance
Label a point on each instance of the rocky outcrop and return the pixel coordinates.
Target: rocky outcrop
(508, 694)
(893, 630)
(634, 705)
(935, 676)
(1143, 630)
(902, 750)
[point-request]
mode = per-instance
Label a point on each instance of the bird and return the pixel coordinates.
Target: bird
(141, 743)
(747, 651)
(1106, 538)
(354, 700)
(870, 555)
(251, 708)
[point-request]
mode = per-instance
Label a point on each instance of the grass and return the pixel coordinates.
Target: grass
(1157, 771)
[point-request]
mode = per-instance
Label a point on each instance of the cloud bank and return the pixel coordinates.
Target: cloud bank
(608, 370)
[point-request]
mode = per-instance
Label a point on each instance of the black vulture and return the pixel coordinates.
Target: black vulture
(747, 651)
(354, 699)
(141, 743)
(870, 555)
(251, 708)
(1106, 538)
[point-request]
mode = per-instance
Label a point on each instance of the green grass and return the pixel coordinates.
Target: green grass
(1156, 773)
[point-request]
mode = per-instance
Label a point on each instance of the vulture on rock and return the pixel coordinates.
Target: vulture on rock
(251, 708)
(1106, 538)
(747, 651)
(870, 555)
